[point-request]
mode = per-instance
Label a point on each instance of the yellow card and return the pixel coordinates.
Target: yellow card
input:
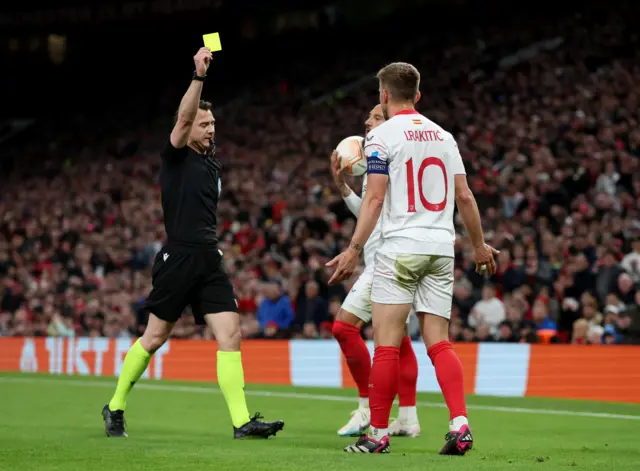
(212, 41)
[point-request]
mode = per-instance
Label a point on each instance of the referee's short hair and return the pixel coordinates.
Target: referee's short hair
(203, 105)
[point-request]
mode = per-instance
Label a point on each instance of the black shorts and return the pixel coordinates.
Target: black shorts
(184, 277)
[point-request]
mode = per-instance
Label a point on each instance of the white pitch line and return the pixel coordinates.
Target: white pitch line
(317, 397)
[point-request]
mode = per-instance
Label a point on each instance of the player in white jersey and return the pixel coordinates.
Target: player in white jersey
(356, 312)
(415, 177)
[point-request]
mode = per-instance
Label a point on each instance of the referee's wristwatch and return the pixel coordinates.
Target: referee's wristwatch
(197, 77)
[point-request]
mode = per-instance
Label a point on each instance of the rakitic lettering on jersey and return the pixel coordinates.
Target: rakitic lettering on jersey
(423, 136)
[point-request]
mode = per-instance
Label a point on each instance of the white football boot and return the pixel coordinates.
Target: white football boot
(358, 423)
(401, 428)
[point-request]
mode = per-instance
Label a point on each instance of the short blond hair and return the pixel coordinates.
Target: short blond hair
(581, 323)
(401, 79)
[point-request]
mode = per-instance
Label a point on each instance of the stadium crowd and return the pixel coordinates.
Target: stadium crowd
(551, 146)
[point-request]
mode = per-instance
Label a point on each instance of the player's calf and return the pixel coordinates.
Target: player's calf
(135, 363)
(451, 380)
(226, 328)
(389, 327)
(346, 330)
(407, 425)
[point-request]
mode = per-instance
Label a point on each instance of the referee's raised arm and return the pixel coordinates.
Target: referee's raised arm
(190, 101)
(189, 270)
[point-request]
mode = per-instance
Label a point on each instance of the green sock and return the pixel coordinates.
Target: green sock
(134, 365)
(231, 381)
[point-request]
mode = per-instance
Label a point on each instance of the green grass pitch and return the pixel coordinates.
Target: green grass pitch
(54, 424)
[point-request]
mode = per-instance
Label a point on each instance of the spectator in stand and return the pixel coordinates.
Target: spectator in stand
(610, 323)
(275, 313)
(590, 310)
(607, 182)
(463, 299)
(468, 334)
(61, 326)
(580, 332)
(506, 332)
(631, 262)
(543, 321)
(312, 313)
(608, 273)
(628, 324)
(5, 323)
(510, 275)
(515, 317)
(626, 289)
(489, 310)
(595, 335)
(609, 338)
(483, 333)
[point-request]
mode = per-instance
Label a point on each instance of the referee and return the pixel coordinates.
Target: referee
(189, 270)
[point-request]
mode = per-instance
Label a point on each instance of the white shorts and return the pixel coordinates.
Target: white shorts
(358, 301)
(424, 280)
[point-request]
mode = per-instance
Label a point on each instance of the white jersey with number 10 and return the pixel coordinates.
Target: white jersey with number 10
(421, 160)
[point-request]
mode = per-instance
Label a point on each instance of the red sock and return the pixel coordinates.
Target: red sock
(356, 353)
(383, 384)
(450, 377)
(408, 374)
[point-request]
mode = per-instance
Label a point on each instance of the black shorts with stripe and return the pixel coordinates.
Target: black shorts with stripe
(184, 276)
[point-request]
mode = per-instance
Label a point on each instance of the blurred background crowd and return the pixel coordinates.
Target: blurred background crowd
(545, 114)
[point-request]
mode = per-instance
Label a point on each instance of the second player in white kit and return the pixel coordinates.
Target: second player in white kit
(358, 300)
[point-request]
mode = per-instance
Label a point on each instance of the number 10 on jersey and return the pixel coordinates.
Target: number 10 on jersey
(411, 185)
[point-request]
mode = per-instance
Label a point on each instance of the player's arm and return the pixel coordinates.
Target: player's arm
(470, 215)
(377, 181)
(468, 209)
(466, 202)
(190, 101)
(352, 200)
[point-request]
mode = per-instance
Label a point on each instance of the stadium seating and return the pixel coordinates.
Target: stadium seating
(548, 128)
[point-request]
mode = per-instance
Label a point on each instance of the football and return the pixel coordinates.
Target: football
(351, 154)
